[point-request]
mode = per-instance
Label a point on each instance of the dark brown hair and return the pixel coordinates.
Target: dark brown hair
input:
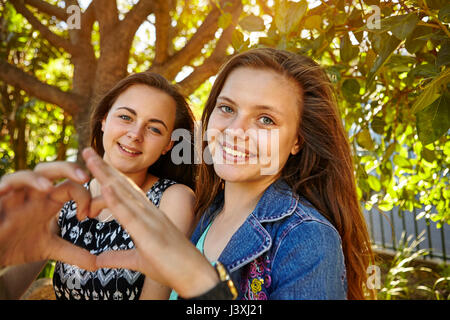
(322, 171)
(184, 119)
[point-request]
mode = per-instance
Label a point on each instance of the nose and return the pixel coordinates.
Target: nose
(135, 133)
(237, 130)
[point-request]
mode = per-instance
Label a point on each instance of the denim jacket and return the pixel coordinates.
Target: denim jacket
(285, 249)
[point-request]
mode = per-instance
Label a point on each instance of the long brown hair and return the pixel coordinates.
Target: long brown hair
(322, 171)
(184, 119)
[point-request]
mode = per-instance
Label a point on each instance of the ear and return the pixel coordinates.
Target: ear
(168, 147)
(297, 145)
(103, 124)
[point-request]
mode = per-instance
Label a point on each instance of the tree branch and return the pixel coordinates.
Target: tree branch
(16, 77)
(48, 8)
(162, 25)
(136, 16)
(213, 63)
(107, 16)
(192, 49)
(54, 39)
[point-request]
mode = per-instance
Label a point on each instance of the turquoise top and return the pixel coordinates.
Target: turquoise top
(200, 243)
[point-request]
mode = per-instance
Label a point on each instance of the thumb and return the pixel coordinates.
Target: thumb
(125, 259)
(97, 205)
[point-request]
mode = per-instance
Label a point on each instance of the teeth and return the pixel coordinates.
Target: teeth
(128, 150)
(234, 153)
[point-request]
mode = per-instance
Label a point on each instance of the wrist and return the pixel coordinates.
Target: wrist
(201, 280)
(222, 290)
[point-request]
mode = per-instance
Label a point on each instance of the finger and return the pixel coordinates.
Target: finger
(67, 252)
(107, 175)
(120, 208)
(98, 167)
(126, 259)
(22, 179)
(4, 188)
(69, 190)
(61, 169)
(12, 200)
(97, 205)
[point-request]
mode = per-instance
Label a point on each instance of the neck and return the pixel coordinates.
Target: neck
(241, 198)
(139, 178)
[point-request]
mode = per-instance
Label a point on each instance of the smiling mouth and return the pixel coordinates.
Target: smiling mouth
(123, 148)
(234, 153)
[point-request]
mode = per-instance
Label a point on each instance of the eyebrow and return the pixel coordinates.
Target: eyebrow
(259, 106)
(150, 120)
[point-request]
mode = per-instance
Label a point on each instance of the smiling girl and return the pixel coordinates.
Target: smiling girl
(131, 129)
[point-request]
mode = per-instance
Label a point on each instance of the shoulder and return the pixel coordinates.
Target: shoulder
(308, 227)
(307, 258)
(178, 192)
(177, 202)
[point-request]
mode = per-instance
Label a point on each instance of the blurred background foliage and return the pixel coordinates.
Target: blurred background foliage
(388, 60)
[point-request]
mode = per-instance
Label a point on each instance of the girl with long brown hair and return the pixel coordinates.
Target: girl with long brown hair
(131, 128)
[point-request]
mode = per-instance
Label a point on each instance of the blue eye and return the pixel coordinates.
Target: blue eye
(226, 109)
(155, 130)
(266, 121)
(125, 117)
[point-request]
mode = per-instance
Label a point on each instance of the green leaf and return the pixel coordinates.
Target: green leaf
(347, 50)
(378, 124)
(443, 56)
(428, 155)
(364, 139)
(402, 162)
(431, 92)
(436, 4)
(405, 26)
(237, 41)
(444, 14)
(252, 23)
(385, 205)
(386, 52)
(433, 121)
(288, 15)
(225, 20)
(401, 26)
(389, 151)
(374, 183)
(313, 22)
(350, 89)
(418, 38)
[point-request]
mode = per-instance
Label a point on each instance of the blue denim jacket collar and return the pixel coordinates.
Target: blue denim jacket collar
(277, 202)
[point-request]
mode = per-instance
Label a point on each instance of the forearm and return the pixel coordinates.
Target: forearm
(16, 280)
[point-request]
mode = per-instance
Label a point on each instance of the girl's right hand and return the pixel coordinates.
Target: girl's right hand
(29, 203)
(161, 251)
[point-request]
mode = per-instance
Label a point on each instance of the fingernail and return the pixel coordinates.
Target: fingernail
(81, 174)
(44, 183)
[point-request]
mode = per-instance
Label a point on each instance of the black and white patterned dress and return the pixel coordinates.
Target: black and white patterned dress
(73, 283)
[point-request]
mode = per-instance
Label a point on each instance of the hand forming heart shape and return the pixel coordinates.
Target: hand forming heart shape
(29, 203)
